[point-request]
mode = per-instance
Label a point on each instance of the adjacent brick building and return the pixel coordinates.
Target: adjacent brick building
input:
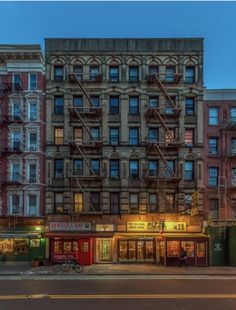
(22, 124)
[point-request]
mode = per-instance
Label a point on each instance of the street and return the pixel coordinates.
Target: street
(164, 294)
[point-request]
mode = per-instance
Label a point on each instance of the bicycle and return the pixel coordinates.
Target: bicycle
(71, 264)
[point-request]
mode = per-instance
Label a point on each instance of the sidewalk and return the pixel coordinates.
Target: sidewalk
(14, 269)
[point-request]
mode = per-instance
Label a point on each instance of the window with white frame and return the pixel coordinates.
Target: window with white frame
(32, 172)
(32, 81)
(16, 111)
(32, 111)
(213, 116)
(15, 171)
(15, 204)
(32, 141)
(233, 114)
(32, 205)
(16, 140)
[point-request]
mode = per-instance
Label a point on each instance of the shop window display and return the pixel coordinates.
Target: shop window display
(173, 248)
(58, 247)
(34, 243)
(201, 249)
(149, 250)
(6, 246)
(123, 250)
(21, 246)
(189, 247)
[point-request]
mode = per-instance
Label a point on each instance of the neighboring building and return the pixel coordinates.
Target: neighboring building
(124, 143)
(22, 124)
(220, 155)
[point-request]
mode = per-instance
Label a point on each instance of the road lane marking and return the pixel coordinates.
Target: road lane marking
(120, 296)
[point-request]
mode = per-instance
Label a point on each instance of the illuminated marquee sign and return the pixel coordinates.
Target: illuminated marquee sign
(157, 226)
(70, 226)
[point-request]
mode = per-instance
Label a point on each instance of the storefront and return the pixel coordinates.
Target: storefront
(196, 246)
(26, 244)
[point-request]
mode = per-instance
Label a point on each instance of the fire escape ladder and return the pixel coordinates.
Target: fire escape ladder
(165, 163)
(167, 131)
(84, 157)
(164, 91)
(83, 122)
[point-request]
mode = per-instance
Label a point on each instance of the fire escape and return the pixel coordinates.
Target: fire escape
(85, 148)
(228, 193)
(168, 145)
(8, 116)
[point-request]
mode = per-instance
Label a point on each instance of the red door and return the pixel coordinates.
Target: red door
(85, 251)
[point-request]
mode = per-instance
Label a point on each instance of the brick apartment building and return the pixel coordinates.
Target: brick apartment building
(22, 115)
(220, 155)
(124, 150)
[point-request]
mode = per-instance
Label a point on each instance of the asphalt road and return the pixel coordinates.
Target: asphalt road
(118, 294)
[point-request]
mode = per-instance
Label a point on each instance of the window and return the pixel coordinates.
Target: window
(32, 173)
(16, 138)
(134, 136)
(78, 202)
(15, 207)
(233, 176)
(189, 137)
(153, 69)
(59, 203)
(153, 102)
(78, 135)
(95, 166)
(58, 168)
(32, 205)
(213, 145)
(16, 111)
(152, 203)
(114, 105)
(32, 141)
(189, 74)
(171, 167)
(115, 203)
(170, 136)
(114, 135)
(58, 73)
(59, 105)
(96, 101)
(233, 146)
(153, 168)
(170, 198)
(78, 167)
(114, 169)
(58, 135)
(133, 73)
(32, 113)
(32, 81)
(213, 116)
(213, 208)
(95, 132)
(188, 170)
(134, 169)
(233, 114)
(170, 71)
(173, 249)
(78, 101)
(189, 106)
(95, 205)
(78, 71)
(16, 82)
(134, 202)
(133, 105)
(213, 176)
(188, 200)
(15, 172)
(94, 72)
(114, 74)
(152, 135)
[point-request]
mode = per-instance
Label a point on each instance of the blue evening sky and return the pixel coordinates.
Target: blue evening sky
(31, 22)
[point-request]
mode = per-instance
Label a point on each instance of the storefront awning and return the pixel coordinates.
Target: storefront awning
(67, 235)
(19, 235)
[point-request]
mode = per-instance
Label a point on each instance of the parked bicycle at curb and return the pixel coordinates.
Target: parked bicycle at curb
(71, 264)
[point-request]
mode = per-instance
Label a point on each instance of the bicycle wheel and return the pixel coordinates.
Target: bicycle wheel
(78, 268)
(65, 267)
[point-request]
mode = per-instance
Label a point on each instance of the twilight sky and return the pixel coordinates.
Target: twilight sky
(31, 22)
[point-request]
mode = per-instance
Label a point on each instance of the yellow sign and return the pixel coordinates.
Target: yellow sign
(157, 226)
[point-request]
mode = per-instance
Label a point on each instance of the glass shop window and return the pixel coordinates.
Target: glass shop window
(189, 247)
(58, 247)
(173, 248)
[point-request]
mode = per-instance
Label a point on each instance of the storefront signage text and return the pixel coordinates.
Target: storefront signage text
(70, 226)
(157, 226)
(108, 227)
